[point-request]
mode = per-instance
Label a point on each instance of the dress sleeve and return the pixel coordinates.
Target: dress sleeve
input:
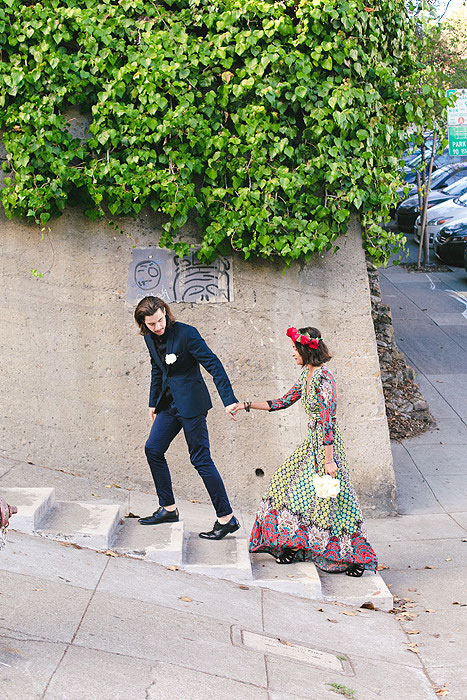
(288, 399)
(327, 400)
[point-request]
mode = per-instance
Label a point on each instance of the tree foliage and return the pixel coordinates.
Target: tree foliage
(445, 48)
(272, 121)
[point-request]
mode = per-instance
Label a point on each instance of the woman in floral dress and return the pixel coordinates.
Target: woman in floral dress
(293, 523)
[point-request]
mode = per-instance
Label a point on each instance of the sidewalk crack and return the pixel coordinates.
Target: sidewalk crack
(75, 633)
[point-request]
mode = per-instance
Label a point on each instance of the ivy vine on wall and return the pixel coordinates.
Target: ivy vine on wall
(272, 121)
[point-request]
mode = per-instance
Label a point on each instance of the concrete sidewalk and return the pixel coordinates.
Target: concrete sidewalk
(425, 548)
(80, 625)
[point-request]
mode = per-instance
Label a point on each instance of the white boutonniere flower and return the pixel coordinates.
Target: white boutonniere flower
(326, 486)
(170, 359)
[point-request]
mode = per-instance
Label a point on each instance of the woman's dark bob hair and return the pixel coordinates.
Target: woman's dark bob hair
(309, 355)
(147, 307)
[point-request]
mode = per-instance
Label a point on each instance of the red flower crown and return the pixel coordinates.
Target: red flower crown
(302, 339)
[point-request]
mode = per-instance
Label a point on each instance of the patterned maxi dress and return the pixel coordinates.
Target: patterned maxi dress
(328, 531)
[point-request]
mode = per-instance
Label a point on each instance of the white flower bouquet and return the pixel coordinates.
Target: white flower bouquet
(326, 486)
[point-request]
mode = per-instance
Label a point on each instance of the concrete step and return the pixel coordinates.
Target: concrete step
(102, 526)
(92, 525)
(369, 588)
(227, 558)
(32, 504)
(162, 544)
(299, 578)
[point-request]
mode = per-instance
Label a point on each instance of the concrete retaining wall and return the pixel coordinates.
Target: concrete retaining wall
(75, 375)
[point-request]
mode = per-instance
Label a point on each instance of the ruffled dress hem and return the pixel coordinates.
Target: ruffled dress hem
(330, 553)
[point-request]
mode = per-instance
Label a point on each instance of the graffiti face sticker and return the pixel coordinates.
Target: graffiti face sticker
(147, 275)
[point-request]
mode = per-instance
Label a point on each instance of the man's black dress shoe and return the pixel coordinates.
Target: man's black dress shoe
(160, 516)
(219, 531)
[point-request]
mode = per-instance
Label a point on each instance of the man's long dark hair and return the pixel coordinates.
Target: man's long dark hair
(147, 307)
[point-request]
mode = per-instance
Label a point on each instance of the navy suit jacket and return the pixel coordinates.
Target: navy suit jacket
(183, 377)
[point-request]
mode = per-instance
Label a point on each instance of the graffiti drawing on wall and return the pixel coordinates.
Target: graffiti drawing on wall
(159, 272)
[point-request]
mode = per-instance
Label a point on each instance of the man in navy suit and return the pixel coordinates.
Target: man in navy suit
(179, 399)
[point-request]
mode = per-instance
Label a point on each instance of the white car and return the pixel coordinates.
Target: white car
(441, 215)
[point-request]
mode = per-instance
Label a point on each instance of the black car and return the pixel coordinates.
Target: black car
(465, 259)
(450, 243)
(456, 178)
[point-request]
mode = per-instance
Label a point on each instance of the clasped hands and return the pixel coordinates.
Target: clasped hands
(234, 408)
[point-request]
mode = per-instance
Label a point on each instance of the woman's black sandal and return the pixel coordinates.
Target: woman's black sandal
(287, 557)
(356, 570)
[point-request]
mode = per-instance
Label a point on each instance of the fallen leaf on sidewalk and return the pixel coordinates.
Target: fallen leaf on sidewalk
(448, 559)
(407, 616)
(172, 567)
(349, 612)
(428, 610)
(286, 643)
(329, 620)
(194, 500)
(413, 648)
(368, 606)
(413, 631)
(186, 599)
(131, 515)
(109, 553)
(37, 589)
(442, 692)
(382, 567)
(412, 590)
(430, 567)
(463, 605)
(244, 588)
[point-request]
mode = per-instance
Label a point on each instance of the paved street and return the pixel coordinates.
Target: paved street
(76, 624)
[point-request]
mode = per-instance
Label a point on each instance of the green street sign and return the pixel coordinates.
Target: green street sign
(457, 136)
(457, 123)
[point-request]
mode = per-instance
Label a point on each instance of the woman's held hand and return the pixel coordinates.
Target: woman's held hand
(152, 414)
(331, 468)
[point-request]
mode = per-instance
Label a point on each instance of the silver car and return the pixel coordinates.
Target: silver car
(441, 215)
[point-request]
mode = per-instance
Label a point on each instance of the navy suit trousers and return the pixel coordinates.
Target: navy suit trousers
(166, 426)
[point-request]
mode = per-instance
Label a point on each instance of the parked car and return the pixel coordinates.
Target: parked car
(410, 168)
(465, 259)
(408, 210)
(450, 244)
(441, 214)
